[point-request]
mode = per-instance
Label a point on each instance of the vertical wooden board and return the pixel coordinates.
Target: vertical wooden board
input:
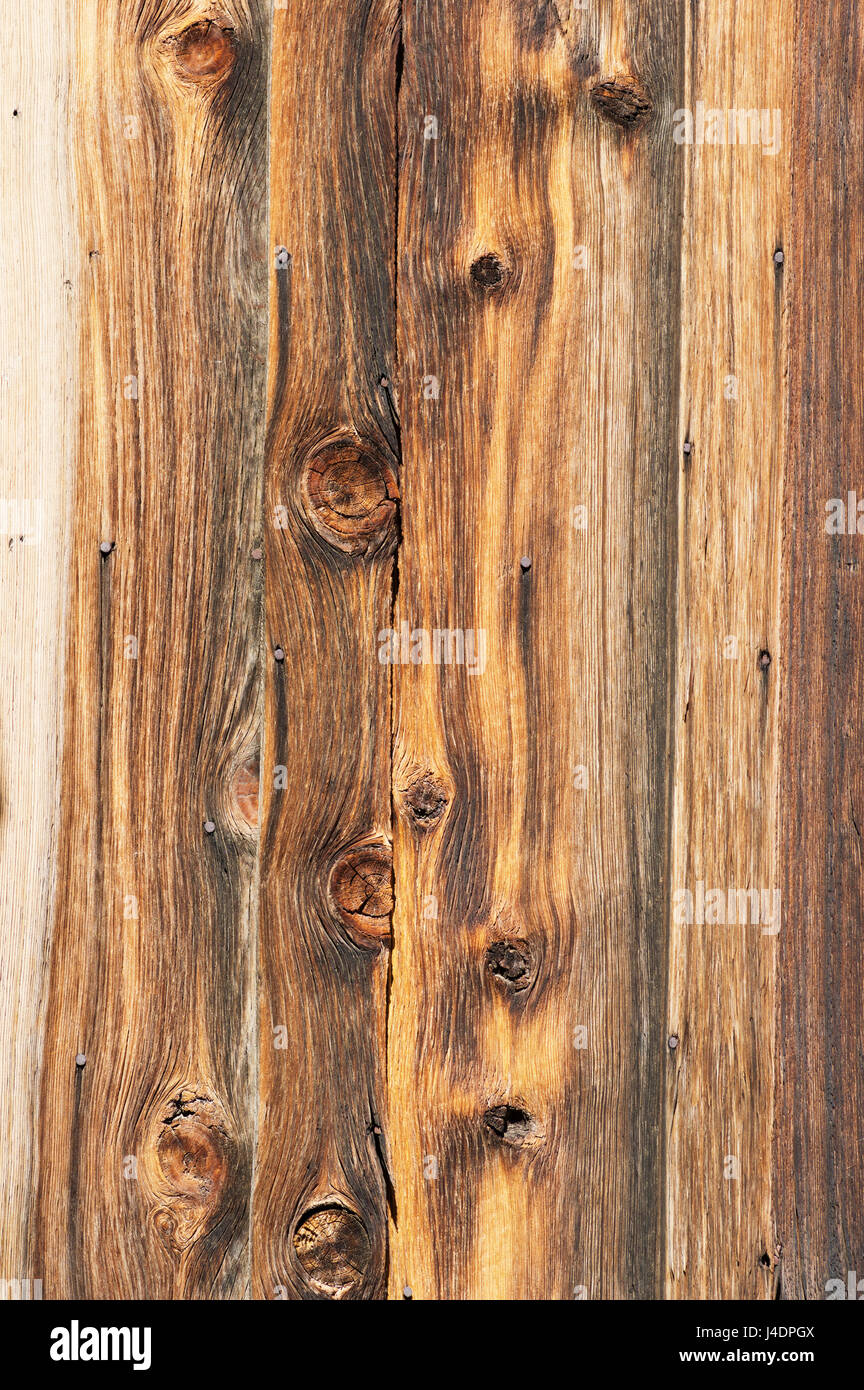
(320, 1206)
(146, 1145)
(730, 661)
(38, 348)
(819, 1179)
(540, 200)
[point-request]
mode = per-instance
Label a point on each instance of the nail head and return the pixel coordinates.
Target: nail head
(278, 654)
(209, 827)
(80, 1059)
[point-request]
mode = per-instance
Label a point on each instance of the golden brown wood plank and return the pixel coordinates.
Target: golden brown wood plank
(320, 1207)
(725, 941)
(819, 1179)
(538, 305)
(38, 349)
(541, 978)
(146, 1139)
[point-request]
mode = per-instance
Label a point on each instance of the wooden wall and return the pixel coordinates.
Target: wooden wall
(417, 596)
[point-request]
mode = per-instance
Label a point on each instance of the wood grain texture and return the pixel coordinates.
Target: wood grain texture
(149, 1141)
(730, 663)
(818, 1176)
(526, 1123)
(38, 387)
(320, 1228)
(415, 460)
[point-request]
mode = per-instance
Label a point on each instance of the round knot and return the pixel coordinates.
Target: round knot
(425, 800)
(333, 1247)
(361, 886)
(509, 962)
(488, 272)
(623, 101)
(350, 494)
(205, 50)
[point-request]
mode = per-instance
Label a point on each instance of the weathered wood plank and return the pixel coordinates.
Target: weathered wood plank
(600, 655)
(320, 1207)
(819, 1178)
(146, 1146)
(38, 351)
(730, 661)
(538, 285)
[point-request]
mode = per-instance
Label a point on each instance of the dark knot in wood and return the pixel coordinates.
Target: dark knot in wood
(509, 962)
(361, 886)
(488, 272)
(510, 1125)
(333, 1247)
(624, 101)
(205, 50)
(351, 495)
(425, 801)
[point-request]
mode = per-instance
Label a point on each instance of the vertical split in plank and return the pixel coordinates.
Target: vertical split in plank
(540, 200)
(148, 1142)
(820, 1113)
(730, 662)
(38, 342)
(320, 1205)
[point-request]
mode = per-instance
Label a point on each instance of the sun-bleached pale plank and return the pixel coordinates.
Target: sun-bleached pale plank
(39, 299)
